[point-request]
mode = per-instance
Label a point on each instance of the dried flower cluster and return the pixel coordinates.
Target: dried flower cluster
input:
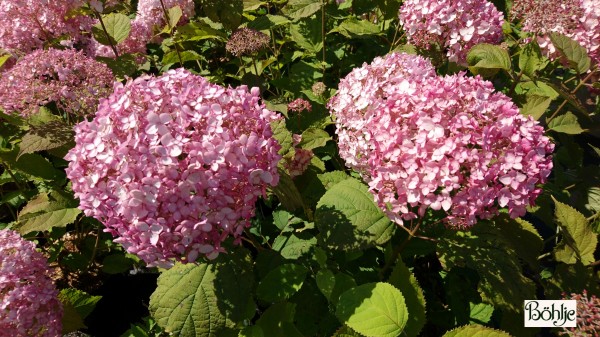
(455, 26)
(73, 81)
(298, 162)
(26, 25)
(246, 41)
(588, 316)
(447, 143)
(173, 165)
(318, 88)
(150, 19)
(298, 105)
(29, 306)
(577, 19)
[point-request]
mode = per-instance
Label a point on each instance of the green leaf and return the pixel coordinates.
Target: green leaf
(47, 220)
(228, 13)
(278, 320)
(117, 27)
(124, 65)
(406, 282)
(186, 55)
(174, 15)
(488, 56)
(530, 59)
(578, 239)
(346, 331)
(46, 137)
(480, 312)
(200, 300)
(47, 202)
(313, 138)
(329, 179)
(266, 22)
(298, 9)
(287, 192)
(3, 59)
(281, 283)
(71, 320)
(475, 330)
(198, 31)
(566, 123)
(81, 301)
(373, 309)
(572, 51)
(293, 245)
(307, 35)
(353, 28)
(252, 331)
(30, 164)
(348, 218)
(116, 263)
(326, 282)
(535, 106)
(282, 135)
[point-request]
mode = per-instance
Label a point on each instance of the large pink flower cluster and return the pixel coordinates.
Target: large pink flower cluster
(68, 78)
(447, 143)
(26, 25)
(578, 19)
(149, 20)
(173, 165)
(453, 25)
(29, 306)
(588, 316)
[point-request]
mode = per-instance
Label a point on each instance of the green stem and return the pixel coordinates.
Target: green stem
(162, 4)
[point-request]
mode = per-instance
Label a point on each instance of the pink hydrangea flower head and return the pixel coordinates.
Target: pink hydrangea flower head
(298, 105)
(28, 299)
(67, 77)
(588, 316)
(26, 25)
(577, 19)
(443, 143)
(173, 165)
(455, 26)
(298, 162)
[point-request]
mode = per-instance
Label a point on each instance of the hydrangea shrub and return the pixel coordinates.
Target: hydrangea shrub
(173, 165)
(446, 143)
(29, 306)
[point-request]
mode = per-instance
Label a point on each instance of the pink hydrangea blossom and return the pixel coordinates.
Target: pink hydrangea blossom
(446, 143)
(588, 316)
(29, 306)
(298, 105)
(149, 20)
(173, 165)
(297, 162)
(577, 19)
(68, 78)
(26, 25)
(455, 26)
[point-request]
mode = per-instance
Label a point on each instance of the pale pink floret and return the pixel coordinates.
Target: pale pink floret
(29, 306)
(455, 26)
(173, 165)
(26, 25)
(446, 143)
(67, 78)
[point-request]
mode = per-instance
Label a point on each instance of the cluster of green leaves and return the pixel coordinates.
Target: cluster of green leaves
(321, 259)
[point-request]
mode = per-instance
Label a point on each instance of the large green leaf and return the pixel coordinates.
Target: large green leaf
(45, 211)
(578, 239)
(200, 300)
(566, 123)
(313, 138)
(278, 321)
(352, 28)
(487, 56)
(535, 105)
(30, 164)
(572, 51)
(307, 34)
(293, 245)
(77, 305)
(349, 219)
(281, 283)
(406, 282)
(298, 9)
(530, 59)
(373, 309)
(46, 137)
(287, 192)
(268, 21)
(475, 330)
(117, 27)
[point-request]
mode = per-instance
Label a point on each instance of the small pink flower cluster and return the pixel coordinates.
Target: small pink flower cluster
(298, 163)
(173, 165)
(577, 19)
(453, 25)
(298, 105)
(26, 25)
(447, 143)
(588, 316)
(68, 78)
(28, 299)
(149, 20)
